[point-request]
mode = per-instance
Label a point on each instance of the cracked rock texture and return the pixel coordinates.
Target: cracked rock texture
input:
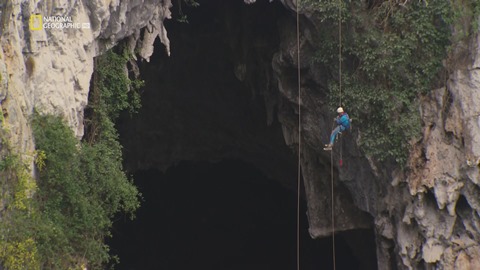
(428, 218)
(49, 70)
(445, 183)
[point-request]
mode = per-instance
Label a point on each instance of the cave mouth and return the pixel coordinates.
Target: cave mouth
(207, 102)
(225, 215)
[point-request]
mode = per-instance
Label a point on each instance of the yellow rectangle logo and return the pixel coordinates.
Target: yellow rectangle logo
(36, 22)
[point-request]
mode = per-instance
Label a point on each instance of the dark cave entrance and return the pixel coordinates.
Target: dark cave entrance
(226, 199)
(225, 216)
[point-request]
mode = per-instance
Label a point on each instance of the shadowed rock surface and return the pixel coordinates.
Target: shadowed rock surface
(229, 91)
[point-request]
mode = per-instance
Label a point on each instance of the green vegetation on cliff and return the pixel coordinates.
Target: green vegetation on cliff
(61, 220)
(81, 186)
(18, 245)
(392, 53)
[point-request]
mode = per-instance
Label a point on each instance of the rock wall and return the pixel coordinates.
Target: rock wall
(358, 189)
(445, 183)
(427, 218)
(49, 70)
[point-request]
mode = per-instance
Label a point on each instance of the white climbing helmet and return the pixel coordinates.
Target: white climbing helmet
(339, 110)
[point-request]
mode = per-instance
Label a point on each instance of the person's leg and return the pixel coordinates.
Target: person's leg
(334, 134)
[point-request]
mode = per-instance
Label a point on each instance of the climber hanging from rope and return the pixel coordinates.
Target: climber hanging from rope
(343, 123)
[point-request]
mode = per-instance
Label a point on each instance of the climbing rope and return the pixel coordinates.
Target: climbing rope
(333, 212)
(340, 105)
(340, 50)
(300, 133)
(332, 206)
(299, 137)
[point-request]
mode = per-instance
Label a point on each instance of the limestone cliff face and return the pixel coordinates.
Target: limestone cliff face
(444, 186)
(50, 69)
(428, 217)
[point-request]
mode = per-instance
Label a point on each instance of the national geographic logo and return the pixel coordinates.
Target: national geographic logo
(39, 22)
(36, 22)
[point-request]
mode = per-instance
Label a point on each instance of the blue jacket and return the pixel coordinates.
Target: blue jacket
(344, 121)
